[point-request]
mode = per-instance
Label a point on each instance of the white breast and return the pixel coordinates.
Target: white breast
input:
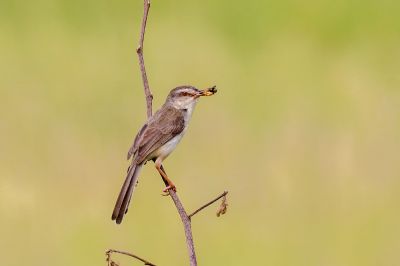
(168, 147)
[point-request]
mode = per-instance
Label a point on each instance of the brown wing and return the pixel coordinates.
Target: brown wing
(134, 146)
(162, 127)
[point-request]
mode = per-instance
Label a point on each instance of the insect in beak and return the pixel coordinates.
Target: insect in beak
(209, 91)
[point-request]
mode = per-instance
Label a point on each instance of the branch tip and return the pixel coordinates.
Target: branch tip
(223, 207)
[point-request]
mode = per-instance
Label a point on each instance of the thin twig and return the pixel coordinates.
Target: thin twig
(139, 51)
(208, 204)
(110, 262)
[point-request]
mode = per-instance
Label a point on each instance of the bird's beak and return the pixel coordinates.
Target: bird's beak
(209, 91)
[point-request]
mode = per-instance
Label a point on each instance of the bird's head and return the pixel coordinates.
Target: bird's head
(185, 97)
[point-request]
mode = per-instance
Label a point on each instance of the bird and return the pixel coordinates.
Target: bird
(157, 138)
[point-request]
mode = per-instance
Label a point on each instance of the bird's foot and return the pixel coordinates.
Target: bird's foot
(166, 190)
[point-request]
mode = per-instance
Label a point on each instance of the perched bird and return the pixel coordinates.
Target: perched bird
(158, 137)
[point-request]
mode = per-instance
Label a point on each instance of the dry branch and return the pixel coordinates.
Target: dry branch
(178, 204)
(186, 223)
(149, 102)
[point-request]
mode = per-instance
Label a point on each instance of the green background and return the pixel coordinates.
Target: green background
(304, 131)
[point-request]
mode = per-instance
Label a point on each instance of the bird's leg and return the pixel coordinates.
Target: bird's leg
(163, 179)
(171, 185)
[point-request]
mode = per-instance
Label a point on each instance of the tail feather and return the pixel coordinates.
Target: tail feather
(124, 197)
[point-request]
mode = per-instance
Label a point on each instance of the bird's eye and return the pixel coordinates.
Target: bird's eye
(184, 93)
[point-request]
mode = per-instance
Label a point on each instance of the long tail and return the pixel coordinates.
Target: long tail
(121, 206)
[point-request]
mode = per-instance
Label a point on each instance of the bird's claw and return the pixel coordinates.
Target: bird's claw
(166, 190)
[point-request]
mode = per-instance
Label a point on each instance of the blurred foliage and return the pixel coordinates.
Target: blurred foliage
(304, 131)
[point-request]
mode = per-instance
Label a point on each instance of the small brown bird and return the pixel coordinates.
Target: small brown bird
(158, 137)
